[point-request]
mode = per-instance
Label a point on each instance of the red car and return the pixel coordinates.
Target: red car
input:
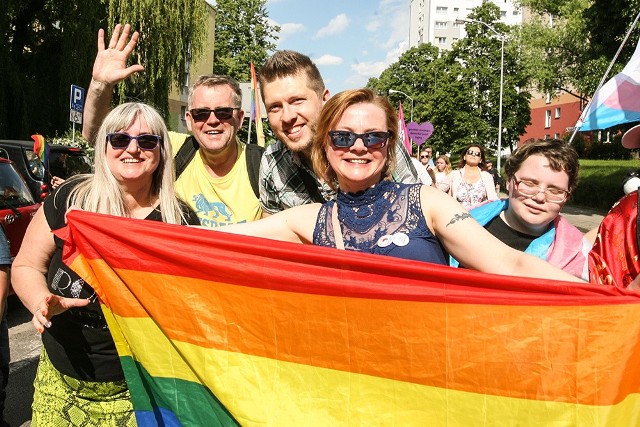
(17, 206)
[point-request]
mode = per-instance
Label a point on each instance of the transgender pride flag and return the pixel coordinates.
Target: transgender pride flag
(617, 101)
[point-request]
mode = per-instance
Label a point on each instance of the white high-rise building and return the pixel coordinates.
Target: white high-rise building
(433, 21)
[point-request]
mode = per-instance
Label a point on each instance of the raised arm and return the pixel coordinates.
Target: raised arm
(109, 68)
(475, 247)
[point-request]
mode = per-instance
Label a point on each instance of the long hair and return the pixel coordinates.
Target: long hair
(447, 164)
(330, 115)
(100, 192)
(562, 158)
(463, 153)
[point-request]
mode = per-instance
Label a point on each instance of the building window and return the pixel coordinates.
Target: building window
(441, 10)
(456, 9)
(548, 101)
(557, 136)
(557, 112)
(516, 12)
(441, 25)
(503, 14)
(457, 25)
(441, 40)
(547, 119)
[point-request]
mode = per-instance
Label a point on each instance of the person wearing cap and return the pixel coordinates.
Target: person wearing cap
(613, 260)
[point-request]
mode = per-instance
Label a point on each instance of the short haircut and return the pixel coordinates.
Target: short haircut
(331, 114)
(562, 158)
(211, 80)
(285, 63)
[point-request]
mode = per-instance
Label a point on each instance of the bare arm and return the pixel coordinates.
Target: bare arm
(475, 247)
(109, 68)
(29, 275)
(294, 225)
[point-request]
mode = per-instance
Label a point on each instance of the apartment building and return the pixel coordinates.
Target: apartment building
(433, 21)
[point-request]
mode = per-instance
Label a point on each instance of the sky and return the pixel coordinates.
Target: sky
(349, 40)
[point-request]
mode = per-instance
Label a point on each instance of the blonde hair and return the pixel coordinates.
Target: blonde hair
(100, 192)
(330, 115)
(447, 164)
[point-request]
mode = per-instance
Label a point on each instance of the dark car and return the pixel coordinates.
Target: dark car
(64, 162)
(17, 205)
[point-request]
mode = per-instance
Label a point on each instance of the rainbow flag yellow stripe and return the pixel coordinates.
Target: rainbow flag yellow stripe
(216, 329)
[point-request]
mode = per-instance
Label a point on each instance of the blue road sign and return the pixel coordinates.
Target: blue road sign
(77, 98)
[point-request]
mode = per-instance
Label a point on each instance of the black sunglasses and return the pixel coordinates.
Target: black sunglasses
(121, 140)
(222, 113)
(474, 153)
(346, 139)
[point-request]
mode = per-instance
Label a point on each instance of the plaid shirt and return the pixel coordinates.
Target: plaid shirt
(281, 186)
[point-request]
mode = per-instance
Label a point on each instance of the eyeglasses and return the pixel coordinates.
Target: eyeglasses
(346, 139)
(530, 189)
(222, 113)
(121, 140)
(425, 156)
(474, 153)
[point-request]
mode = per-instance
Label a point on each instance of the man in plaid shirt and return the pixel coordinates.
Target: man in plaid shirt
(293, 93)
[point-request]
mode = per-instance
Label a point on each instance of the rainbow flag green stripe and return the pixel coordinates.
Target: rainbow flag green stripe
(207, 326)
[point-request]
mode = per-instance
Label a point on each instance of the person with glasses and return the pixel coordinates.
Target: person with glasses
(426, 154)
(471, 185)
(540, 177)
(214, 169)
(353, 151)
(293, 93)
(80, 379)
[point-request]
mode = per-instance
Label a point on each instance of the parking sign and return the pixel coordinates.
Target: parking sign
(77, 98)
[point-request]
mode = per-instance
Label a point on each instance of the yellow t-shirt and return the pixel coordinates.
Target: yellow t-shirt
(217, 201)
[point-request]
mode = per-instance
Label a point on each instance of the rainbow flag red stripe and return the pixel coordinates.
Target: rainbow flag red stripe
(255, 107)
(40, 148)
(217, 329)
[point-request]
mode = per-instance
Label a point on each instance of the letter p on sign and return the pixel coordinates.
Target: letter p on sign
(77, 98)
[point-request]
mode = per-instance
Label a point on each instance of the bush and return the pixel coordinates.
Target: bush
(600, 182)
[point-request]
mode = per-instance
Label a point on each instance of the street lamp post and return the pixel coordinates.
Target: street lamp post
(402, 93)
(502, 37)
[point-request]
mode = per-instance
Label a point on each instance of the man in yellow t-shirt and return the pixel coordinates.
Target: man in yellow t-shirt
(215, 181)
(217, 201)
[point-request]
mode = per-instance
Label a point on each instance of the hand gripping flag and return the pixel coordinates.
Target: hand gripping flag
(618, 100)
(211, 331)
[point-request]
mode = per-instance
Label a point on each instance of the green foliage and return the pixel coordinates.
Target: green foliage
(243, 35)
(68, 139)
(600, 182)
(47, 46)
(458, 90)
(172, 32)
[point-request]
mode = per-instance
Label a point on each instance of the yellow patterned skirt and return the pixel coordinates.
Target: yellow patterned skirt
(60, 400)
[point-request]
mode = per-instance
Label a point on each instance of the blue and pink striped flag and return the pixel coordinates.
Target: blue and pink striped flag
(617, 101)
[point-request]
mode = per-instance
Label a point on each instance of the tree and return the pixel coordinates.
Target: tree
(41, 57)
(172, 32)
(458, 90)
(243, 35)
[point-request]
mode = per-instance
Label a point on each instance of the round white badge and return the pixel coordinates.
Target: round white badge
(385, 241)
(400, 239)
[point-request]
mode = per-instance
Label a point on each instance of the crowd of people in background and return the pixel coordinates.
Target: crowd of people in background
(331, 178)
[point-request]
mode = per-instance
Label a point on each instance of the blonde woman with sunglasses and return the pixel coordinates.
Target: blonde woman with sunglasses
(80, 379)
(353, 151)
(471, 185)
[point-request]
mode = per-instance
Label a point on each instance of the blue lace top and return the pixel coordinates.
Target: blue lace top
(385, 219)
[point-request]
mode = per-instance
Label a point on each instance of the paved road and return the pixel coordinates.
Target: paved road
(25, 341)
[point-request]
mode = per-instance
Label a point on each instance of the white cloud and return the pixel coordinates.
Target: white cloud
(328, 60)
(337, 25)
(362, 71)
(286, 30)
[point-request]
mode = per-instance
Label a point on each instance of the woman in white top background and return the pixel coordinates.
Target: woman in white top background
(443, 169)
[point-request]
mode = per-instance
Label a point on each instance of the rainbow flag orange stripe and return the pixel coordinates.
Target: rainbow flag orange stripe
(217, 329)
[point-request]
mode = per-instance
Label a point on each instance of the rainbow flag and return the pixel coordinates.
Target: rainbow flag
(255, 107)
(402, 130)
(41, 148)
(617, 101)
(217, 329)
